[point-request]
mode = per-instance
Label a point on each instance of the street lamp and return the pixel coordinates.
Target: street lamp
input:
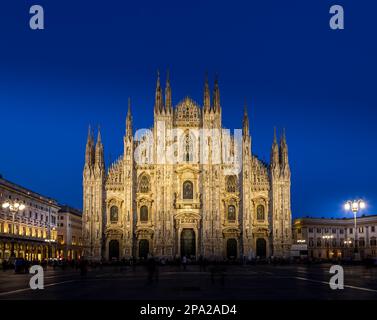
(347, 244)
(14, 208)
(355, 206)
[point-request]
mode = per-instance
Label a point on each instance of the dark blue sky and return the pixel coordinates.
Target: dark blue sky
(279, 55)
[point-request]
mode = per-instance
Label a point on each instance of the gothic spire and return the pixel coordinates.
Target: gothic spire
(283, 150)
(168, 103)
(129, 120)
(99, 156)
(158, 105)
(216, 96)
(245, 122)
(99, 141)
(207, 95)
(89, 150)
(274, 152)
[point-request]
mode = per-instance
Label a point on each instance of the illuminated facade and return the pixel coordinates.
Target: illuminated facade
(69, 233)
(32, 232)
(335, 238)
(186, 206)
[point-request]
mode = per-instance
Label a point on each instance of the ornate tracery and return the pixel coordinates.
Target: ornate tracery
(144, 185)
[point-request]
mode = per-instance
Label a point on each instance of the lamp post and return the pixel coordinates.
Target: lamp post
(347, 245)
(14, 208)
(355, 206)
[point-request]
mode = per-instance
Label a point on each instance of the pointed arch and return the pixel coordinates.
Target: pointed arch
(144, 183)
(231, 183)
(188, 148)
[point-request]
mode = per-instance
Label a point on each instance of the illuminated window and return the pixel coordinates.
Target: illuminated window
(144, 184)
(114, 214)
(144, 214)
(231, 213)
(231, 184)
(188, 190)
(260, 212)
(188, 148)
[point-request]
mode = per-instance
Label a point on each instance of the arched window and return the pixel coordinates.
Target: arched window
(260, 212)
(188, 148)
(144, 184)
(231, 213)
(188, 190)
(144, 214)
(231, 184)
(114, 214)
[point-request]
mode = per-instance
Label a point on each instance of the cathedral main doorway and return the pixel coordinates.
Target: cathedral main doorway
(188, 244)
(261, 248)
(143, 248)
(231, 249)
(114, 250)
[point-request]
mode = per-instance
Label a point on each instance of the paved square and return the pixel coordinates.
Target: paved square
(172, 283)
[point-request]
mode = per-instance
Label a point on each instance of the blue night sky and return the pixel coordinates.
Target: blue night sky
(281, 56)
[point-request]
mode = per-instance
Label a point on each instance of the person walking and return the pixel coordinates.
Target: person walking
(83, 267)
(184, 262)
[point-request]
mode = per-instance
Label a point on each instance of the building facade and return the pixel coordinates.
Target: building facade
(69, 240)
(335, 238)
(186, 187)
(28, 223)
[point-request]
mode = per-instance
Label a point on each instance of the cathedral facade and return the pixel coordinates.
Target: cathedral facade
(186, 187)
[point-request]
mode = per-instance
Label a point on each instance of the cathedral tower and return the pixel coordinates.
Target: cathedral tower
(94, 197)
(281, 198)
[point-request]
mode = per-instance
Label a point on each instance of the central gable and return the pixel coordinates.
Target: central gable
(187, 114)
